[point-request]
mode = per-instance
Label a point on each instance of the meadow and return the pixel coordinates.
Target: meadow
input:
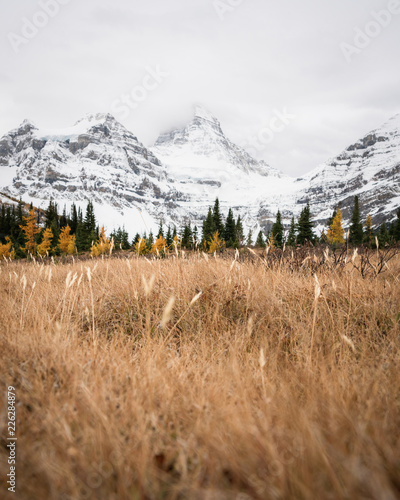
(201, 377)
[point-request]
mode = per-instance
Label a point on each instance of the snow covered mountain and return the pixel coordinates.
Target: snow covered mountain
(369, 168)
(186, 169)
(205, 164)
(96, 159)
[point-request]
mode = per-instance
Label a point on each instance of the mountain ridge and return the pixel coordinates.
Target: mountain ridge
(178, 177)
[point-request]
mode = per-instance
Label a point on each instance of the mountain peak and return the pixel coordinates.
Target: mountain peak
(201, 112)
(96, 118)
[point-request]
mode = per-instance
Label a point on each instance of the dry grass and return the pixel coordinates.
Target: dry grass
(270, 385)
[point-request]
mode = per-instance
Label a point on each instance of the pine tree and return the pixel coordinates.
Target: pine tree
(150, 241)
(356, 228)
(169, 238)
(260, 242)
(20, 212)
(277, 230)
(208, 226)
(160, 230)
(291, 239)
(51, 215)
(55, 231)
(249, 241)
(90, 218)
(383, 236)
(124, 239)
(187, 237)
(45, 245)
(74, 219)
(239, 231)
(64, 219)
(30, 230)
(305, 233)
(217, 217)
(230, 230)
(336, 232)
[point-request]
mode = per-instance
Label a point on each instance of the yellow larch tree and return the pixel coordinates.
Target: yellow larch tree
(66, 241)
(45, 245)
(30, 229)
(102, 246)
(271, 243)
(369, 232)
(6, 250)
(140, 246)
(336, 232)
(159, 245)
(216, 243)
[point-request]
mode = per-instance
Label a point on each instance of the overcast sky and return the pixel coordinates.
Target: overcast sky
(248, 62)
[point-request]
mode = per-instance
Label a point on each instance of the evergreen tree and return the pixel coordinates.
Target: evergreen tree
(208, 226)
(169, 237)
(305, 233)
(160, 230)
(229, 233)
(187, 241)
(217, 217)
(136, 239)
(89, 230)
(55, 231)
(20, 213)
(383, 236)
(124, 239)
(260, 242)
(51, 215)
(74, 219)
(64, 219)
(277, 230)
(150, 241)
(2, 220)
(291, 239)
(356, 228)
(90, 219)
(249, 241)
(239, 232)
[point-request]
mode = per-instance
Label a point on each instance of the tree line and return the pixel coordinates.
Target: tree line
(48, 232)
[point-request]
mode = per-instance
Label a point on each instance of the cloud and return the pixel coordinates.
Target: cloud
(261, 57)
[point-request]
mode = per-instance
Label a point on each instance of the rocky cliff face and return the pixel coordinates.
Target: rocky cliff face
(181, 175)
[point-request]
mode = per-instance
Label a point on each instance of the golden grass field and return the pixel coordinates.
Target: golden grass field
(200, 378)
